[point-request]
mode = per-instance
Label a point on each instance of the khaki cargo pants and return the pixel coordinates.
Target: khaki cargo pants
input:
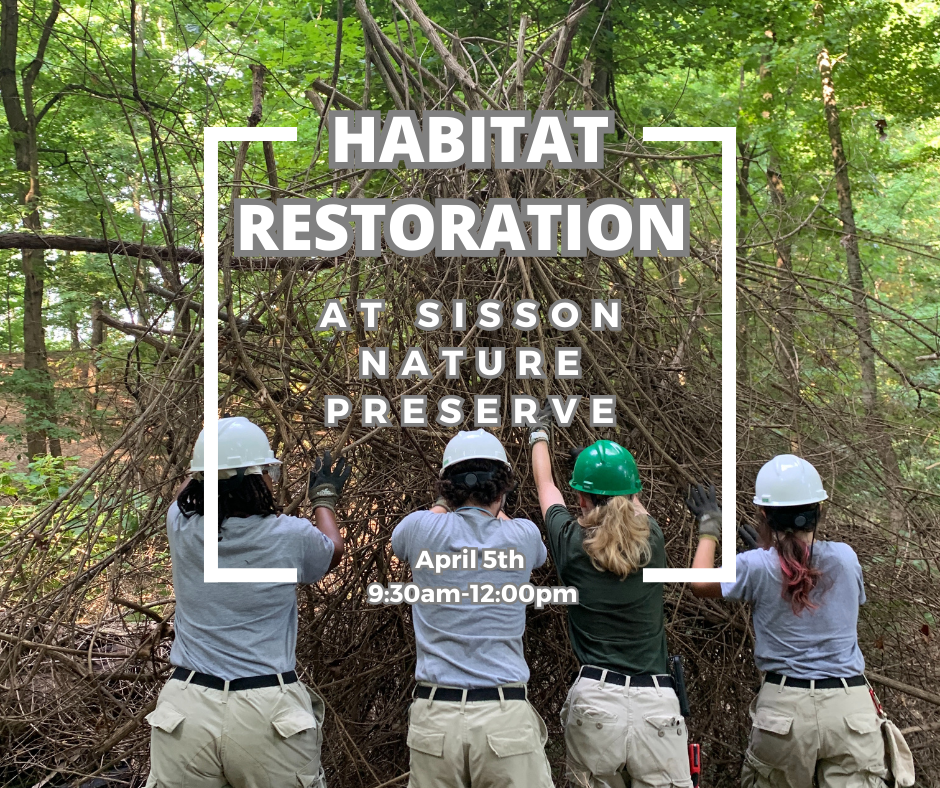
(832, 734)
(484, 744)
(256, 738)
(615, 734)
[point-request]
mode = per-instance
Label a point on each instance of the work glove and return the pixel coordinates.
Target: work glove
(327, 480)
(541, 428)
(512, 498)
(703, 504)
(573, 453)
(749, 536)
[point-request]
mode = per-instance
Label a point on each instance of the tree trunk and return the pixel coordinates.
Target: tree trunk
(97, 340)
(866, 348)
(21, 117)
(744, 176)
(784, 318)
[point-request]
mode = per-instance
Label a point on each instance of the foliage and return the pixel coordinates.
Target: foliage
(124, 91)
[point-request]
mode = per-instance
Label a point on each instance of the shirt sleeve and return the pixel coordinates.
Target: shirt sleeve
(401, 538)
(541, 553)
(173, 516)
(862, 599)
(316, 553)
(557, 523)
(745, 579)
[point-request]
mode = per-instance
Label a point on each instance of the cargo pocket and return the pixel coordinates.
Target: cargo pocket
(772, 740)
(659, 746)
(166, 717)
(666, 725)
(772, 721)
(863, 722)
(427, 742)
(596, 739)
(507, 744)
(864, 742)
(293, 721)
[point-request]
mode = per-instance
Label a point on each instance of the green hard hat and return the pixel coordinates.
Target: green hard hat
(606, 468)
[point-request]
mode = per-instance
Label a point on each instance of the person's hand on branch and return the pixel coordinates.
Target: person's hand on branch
(441, 506)
(327, 480)
(573, 453)
(541, 428)
(540, 434)
(703, 503)
(749, 536)
(512, 498)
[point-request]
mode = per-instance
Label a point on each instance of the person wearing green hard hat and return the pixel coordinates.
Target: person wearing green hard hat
(814, 720)
(622, 721)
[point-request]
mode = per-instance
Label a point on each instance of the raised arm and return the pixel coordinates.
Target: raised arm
(539, 436)
(325, 521)
(703, 503)
(549, 494)
(326, 483)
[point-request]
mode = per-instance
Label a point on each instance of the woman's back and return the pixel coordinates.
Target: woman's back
(231, 630)
(817, 643)
(617, 624)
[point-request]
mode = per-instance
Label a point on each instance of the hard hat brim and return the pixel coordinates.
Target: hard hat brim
(475, 457)
(798, 502)
(271, 461)
(610, 493)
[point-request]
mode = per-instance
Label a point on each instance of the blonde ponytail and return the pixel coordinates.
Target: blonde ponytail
(616, 538)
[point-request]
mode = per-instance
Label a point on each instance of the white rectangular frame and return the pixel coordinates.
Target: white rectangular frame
(213, 573)
(726, 135)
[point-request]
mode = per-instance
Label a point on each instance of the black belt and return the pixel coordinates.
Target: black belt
(852, 681)
(485, 693)
(643, 680)
(249, 682)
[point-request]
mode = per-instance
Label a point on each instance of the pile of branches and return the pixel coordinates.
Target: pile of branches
(86, 605)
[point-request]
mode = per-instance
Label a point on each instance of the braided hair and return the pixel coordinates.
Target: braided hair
(241, 497)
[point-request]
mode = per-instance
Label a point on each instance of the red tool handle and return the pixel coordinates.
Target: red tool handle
(695, 763)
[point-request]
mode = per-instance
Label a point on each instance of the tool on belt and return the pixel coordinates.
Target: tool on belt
(695, 750)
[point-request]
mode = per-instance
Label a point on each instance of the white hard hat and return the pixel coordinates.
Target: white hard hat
(476, 445)
(788, 480)
(241, 445)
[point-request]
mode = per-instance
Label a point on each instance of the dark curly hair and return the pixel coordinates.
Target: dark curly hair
(458, 486)
(245, 497)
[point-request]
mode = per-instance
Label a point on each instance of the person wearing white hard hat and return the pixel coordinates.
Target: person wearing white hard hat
(234, 712)
(815, 722)
(471, 724)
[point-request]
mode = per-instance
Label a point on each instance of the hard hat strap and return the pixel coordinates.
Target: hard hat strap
(471, 479)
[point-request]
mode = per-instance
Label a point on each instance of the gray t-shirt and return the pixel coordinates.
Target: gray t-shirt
(817, 644)
(467, 645)
(234, 630)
